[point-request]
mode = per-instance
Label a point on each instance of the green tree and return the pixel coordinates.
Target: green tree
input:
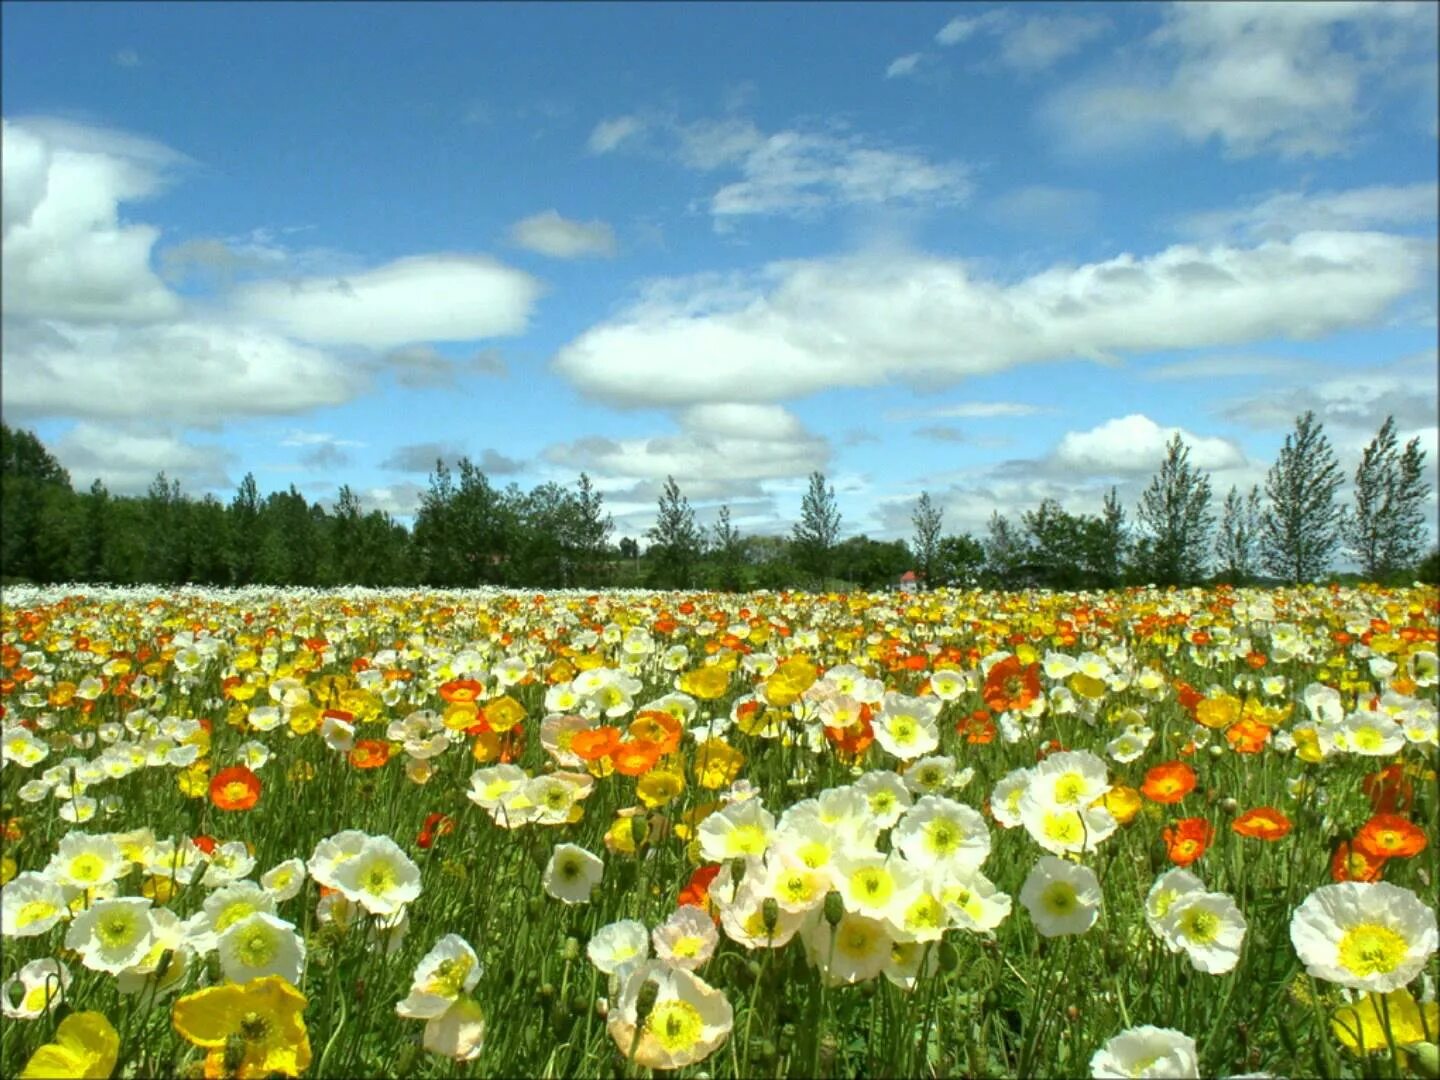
(728, 556)
(1300, 527)
(1385, 533)
(589, 534)
(927, 518)
(31, 478)
(1175, 520)
(1110, 543)
(959, 560)
(1006, 552)
(814, 535)
(674, 540)
(1237, 548)
(244, 516)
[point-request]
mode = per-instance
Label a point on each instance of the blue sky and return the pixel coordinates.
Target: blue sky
(999, 253)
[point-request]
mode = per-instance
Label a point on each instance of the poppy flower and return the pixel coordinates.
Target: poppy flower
(1388, 790)
(1390, 836)
(1011, 686)
(436, 824)
(235, 788)
(696, 892)
(461, 690)
(1349, 863)
(1262, 823)
(1249, 736)
(1168, 783)
(659, 727)
(593, 744)
(369, 753)
(1187, 840)
(977, 728)
(854, 740)
(635, 757)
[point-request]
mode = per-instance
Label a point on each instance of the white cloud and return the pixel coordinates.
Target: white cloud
(398, 500)
(967, 410)
(67, 255)
(803, 173)
(1136, 444)
(721, 450)
(1282, 78)
(560, 238)
(421, 366)
(422, 298)
(902, 66)
(1286, 213)
(609, 134)
(1029, 42)
(126, 460)
(1229, 367)
(800, 327)
(127, 58)
(185, 372)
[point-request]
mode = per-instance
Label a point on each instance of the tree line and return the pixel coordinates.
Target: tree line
(469, 532)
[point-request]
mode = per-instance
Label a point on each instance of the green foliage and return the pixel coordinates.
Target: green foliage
(1301, 525)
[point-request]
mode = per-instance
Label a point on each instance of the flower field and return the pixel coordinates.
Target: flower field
(364, 833)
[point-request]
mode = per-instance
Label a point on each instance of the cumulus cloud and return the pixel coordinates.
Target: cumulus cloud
(494, 463)
(126, 459)
(66, 253)
(400, 500)
(184, 372)
(721, 450)
(1136, 444)
(799, 327)
(1259, 78)
(421, 298)
(550, 234)
(1286, 213)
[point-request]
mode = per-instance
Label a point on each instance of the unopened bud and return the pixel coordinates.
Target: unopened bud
(1424, 1058)
(645, 1002)
(639, 830)
(737, 870)
(571, 949)
(834, 908)
(770, 914)
(948, 956)
(1229, 805)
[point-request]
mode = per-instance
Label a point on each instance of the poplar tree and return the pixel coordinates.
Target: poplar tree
(675, 540)
(926, 519)
(1385, 532)
(1238, 546)
(1175, 519)
(815, 533)
(1300, 527)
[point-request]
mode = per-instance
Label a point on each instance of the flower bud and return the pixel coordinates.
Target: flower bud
(645, 1002)
(770, 914)
(834, 908)
(948, 956)
(639, 830)
(737, 869)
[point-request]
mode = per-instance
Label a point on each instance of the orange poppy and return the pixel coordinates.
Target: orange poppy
(1388, 790)
(436, 824)
(235, 788)
(1188, 840)
(696, 892)
(635, 757)
(658, 726)
(854, 740)
(1009, 685)
(369, 753)
(1262, 823)
(1390, 836)
(463, 690)
(1188, 697)
(977, 728)
(592, 744)
(1249, 736)
(1168, 783)
(1349, 863)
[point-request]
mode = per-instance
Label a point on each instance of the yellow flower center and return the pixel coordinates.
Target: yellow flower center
(855, 941)
(34, 912)
(1065, 828)
(379, 879)
(925, 913)
(115, 930)
(688, 946)
(450, 976)
(35, 999)
(814, 854)
(943, 837)
(873, 884)
(747, 840)
(256, 948)
(1368, 738)
(238, 910)
(1372, 949)
(1069, 788)
(254, 1027)
(86, 867)
(1059, 898)
(676, 1025)
(1200, 925)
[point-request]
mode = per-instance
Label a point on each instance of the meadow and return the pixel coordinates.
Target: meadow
(498, 833)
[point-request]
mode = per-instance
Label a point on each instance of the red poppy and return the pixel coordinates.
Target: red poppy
(977, 728)
(635, 757)
(1188, 840)
(852, 741)
(1009, 685)
(369, 753)
(1262, 823)
(205, 843)
(1168, 783)
(235, 788)
(1349, 863)
(1390, 836)
(436, 824)
(1248, 736)
(696, 892)
(1388, 790)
